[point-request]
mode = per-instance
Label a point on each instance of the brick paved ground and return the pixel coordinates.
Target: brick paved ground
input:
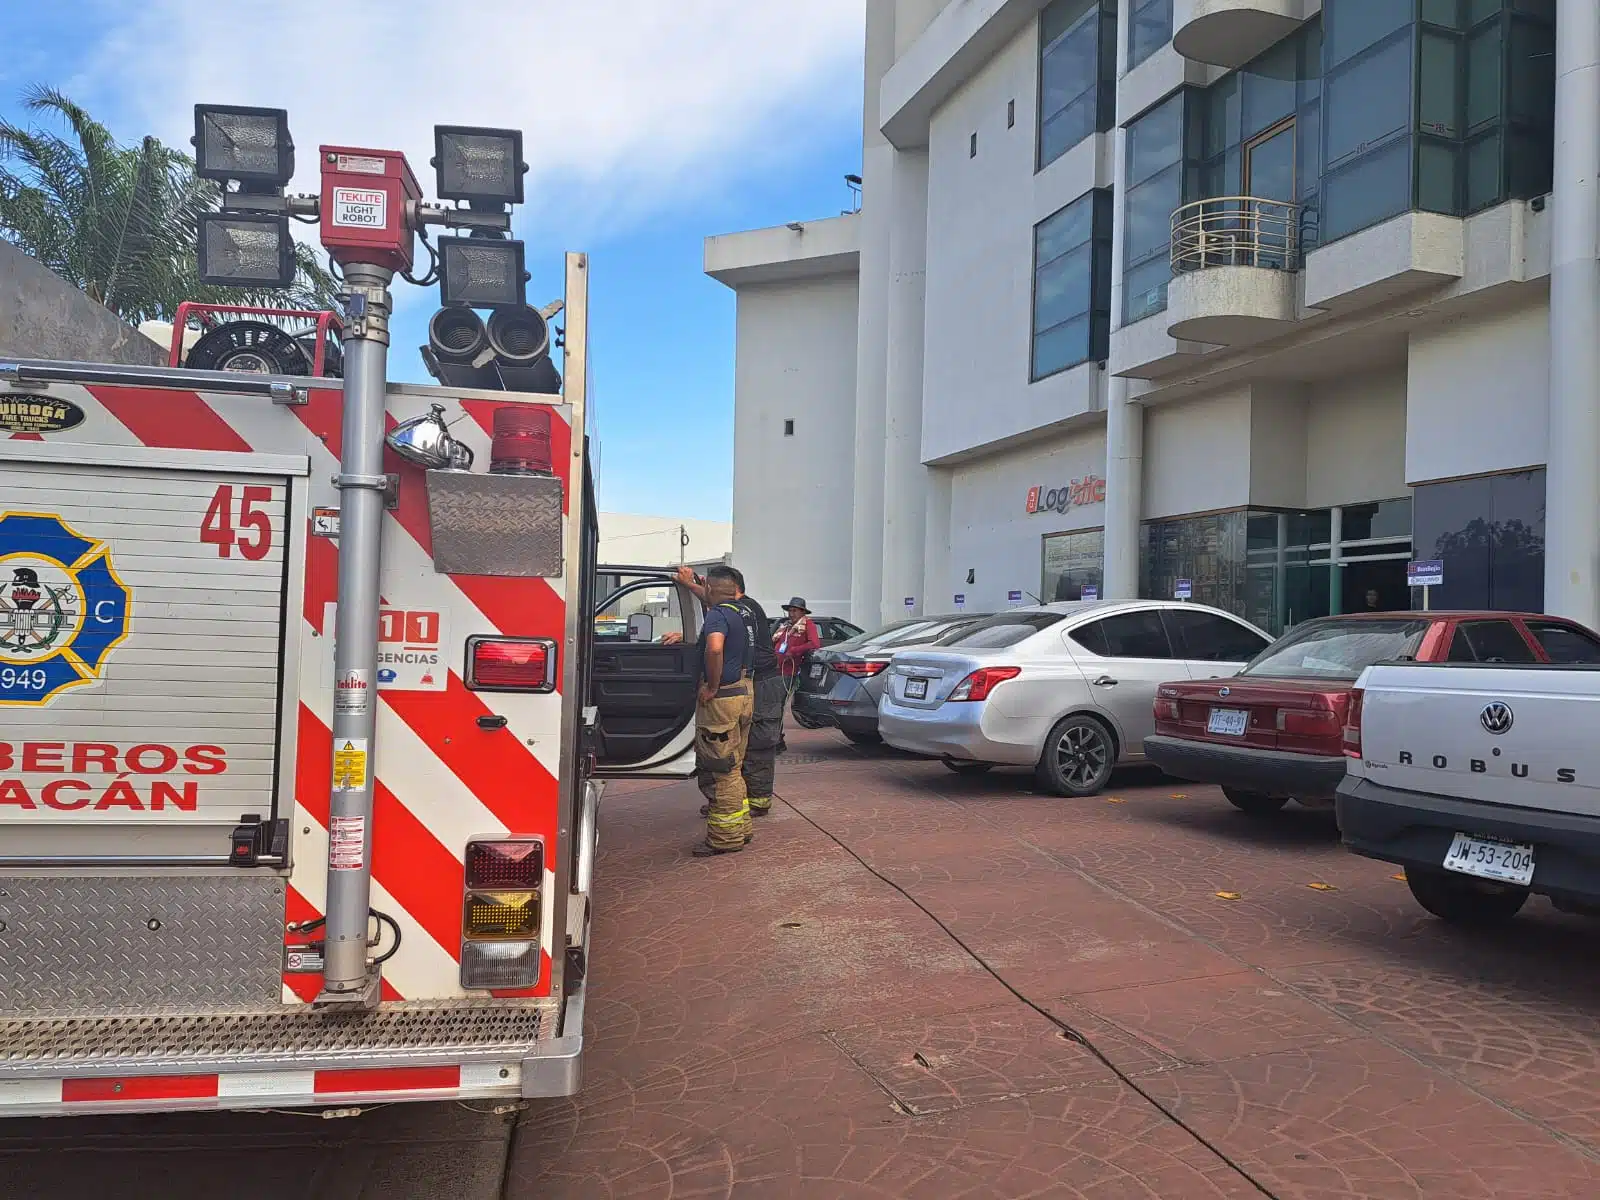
(786, 1024)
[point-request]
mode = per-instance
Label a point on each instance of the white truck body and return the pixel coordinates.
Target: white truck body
(1479, 774)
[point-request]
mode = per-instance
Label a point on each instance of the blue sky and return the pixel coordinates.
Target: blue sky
(649, 127)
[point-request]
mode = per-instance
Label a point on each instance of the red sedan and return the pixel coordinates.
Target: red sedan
(1275, 731)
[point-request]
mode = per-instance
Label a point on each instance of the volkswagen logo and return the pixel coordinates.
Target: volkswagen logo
(1496, 717)
(1224, 691)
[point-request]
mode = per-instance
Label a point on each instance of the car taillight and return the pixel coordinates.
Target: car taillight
(1352, 727)
(502, 909)
(981, 682)
(1312, 723)
(1168, 710)
(860, 670)
(504, 664)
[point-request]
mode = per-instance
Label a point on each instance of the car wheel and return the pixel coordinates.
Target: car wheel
(1462, 901)
(964, 767)
(1078, 757)
(1257, 804)
(804, 721)
(861, 738)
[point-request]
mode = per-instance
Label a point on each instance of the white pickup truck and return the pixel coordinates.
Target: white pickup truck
(1482, 780)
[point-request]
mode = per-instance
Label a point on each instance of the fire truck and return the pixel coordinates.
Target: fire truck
(302, 741)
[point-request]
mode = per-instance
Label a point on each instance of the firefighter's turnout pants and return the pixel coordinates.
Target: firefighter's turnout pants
(761, 754)
(722, 729)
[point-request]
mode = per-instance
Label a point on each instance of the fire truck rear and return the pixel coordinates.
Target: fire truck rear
(243, 863)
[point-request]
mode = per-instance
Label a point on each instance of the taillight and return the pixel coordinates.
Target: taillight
(981, 682)
(1168, 710)
(860, 670)
(1307, 723)
(502, 664)
(502, 908)
(1352, 726)
(521, 444)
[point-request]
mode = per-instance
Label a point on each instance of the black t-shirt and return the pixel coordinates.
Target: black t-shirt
(760, 635)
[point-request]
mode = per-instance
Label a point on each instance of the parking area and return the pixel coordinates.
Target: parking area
(918, 985)
(923, 985)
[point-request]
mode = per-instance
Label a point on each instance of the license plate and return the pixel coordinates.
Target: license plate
(1231, 721)
(916, 689)
(816, 670)
(1490, 858)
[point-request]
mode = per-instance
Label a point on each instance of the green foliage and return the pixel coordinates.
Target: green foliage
(121, 222)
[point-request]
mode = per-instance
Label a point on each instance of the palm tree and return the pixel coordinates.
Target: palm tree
(121, 222)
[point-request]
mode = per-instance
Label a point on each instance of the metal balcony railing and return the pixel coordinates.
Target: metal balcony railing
(1236, 231)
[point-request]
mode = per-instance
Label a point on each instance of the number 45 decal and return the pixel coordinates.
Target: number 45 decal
(250, 530)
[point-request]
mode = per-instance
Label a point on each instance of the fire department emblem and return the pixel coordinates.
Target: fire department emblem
(62, 608)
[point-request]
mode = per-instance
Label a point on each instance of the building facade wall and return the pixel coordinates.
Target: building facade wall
(792, 501)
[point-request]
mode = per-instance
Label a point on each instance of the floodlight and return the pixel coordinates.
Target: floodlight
(246, 250)
(478, 165)
(251, 145)
(481, 272)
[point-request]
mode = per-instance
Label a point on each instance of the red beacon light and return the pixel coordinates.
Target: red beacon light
(521, 444)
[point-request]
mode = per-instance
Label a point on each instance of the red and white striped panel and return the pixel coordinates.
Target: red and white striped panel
(261, 1089)
(440, 778)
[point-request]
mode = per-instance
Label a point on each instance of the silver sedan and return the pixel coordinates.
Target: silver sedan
(1068, 689)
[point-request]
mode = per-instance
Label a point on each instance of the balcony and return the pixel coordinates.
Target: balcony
(1229, 33)
(1234, 264)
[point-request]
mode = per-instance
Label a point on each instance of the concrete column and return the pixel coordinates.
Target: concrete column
(872, 347)
(905, 479)
(1124, 419)
(1572, 484)
(940, 583)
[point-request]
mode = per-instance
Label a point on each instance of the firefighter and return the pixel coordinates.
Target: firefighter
(766, 726)
(723, 714)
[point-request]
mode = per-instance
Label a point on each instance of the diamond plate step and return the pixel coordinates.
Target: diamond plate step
(454, 1030)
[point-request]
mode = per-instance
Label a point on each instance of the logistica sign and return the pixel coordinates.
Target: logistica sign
(1091, 489)
(62, 608)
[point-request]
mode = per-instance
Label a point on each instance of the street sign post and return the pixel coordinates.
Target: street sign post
(1425, 573)
(1183, 590)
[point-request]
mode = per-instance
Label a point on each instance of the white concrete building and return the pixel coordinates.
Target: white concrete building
(1253, 294)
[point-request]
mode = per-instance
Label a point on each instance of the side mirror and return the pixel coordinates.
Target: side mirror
(641, 628)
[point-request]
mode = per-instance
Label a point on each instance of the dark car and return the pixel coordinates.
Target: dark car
(840, 685)
(832, 630)
(1275, 731)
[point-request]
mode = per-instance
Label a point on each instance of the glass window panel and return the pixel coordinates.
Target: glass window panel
(1221, 116)
(1532, 68)
(1516, 568)
(1070, 66)
(1496, 641)
(1483, 76)
(1062, 288)
(1063, 231)
(1072, 561)
(1350, 26)
(1543, 9)
(1149, 214)
(1060, 16)
(1436, 177)
(1133, 635)
(1308, 146)
(1269, 88)
(1483, 172)
(1064, 346)
(1529, 164)
(1310, 67)
(1564, 644)
(1149, 29)
(1368, 100)
(1369, 190)
(1144, 289)
(1067, 128)
(1385, 519)
(1210, 638)
(1442, 12)
(1155, 140)
(1453, 522)
(1439, 91)
(1482, 10)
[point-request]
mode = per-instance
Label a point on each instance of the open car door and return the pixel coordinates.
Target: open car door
(641, 680)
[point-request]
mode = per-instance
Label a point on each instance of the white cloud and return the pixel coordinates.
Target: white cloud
(627, 106)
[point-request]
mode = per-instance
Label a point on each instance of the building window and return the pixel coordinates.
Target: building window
(1154, 190)
(1072, 562)
(1489, 533)
(788, 427)
(1072, 285)
(1077, 74)
(1149, 29)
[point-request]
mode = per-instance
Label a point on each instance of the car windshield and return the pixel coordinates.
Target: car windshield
(999, 631)
(1337, 649)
